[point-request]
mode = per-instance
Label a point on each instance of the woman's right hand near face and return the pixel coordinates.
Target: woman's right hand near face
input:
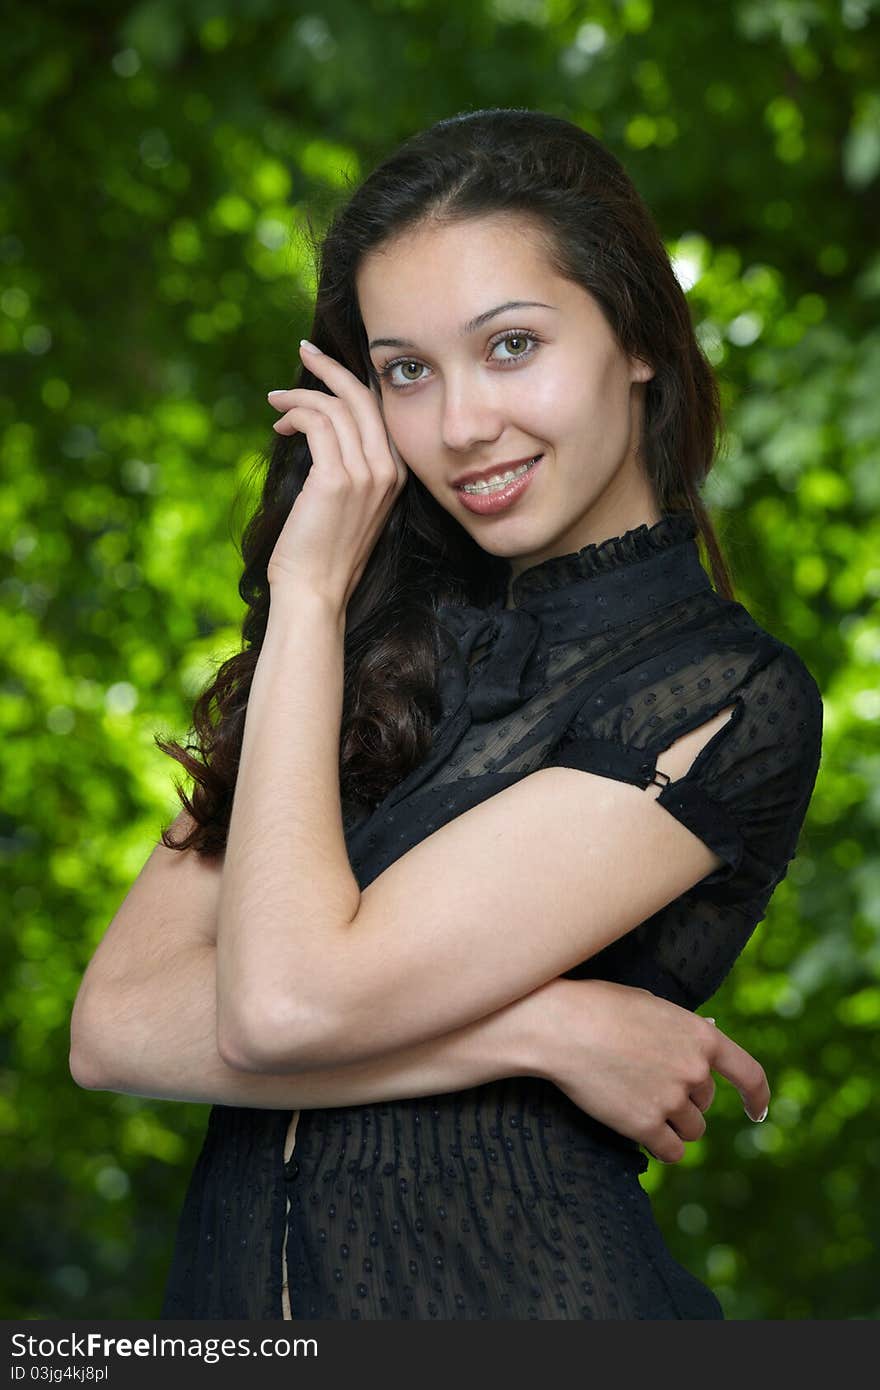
(642, 1065)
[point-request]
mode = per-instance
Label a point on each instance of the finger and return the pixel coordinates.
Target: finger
(740, 1067)
(317, 421)
(667, 1147)
(687, 1122)
(322, 439)
(703, 1095)
(360, 400)
(337, 411)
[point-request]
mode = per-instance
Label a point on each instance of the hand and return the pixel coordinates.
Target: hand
(642, 1065)
(355, 477)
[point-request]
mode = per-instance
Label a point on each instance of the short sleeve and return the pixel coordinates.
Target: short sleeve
(746, 793)
(748, 790)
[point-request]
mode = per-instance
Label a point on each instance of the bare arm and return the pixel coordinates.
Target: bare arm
(144, 1023)
(145, 1017)
(157, 1036)
(434, 941)
(639, 1064)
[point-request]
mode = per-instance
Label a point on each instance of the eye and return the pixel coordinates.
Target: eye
(511, 336)
(385, 372)
(515, 338)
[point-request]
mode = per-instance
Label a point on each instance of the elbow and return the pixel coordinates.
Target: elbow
(235, 1048)
(83, 1058)
(274, 1039)
(84, 1070)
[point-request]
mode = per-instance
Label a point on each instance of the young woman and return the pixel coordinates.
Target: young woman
(513, 782)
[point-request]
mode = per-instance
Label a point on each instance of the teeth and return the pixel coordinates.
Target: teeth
(500, 480)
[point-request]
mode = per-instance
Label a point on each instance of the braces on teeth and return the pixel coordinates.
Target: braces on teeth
(502, 480)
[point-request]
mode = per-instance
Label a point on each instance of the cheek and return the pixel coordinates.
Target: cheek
(569, 409)
(410, 433)
(408, 436)
(575, 394)
(598, 404)
(548, 404)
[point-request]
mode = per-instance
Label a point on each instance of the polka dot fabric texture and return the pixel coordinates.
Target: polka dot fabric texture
(506, 1201)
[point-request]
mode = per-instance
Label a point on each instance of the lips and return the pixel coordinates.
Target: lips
(496, 470)
(487, 501)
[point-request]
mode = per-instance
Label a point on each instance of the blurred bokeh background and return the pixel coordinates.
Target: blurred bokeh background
(161, 160)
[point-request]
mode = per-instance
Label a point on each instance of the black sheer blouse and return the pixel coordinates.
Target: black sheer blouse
(506, 1201)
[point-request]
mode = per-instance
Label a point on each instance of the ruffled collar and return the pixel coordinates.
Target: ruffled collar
(641, 543)
(590, 591)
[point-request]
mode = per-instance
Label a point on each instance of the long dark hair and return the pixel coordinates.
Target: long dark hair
(598, 233)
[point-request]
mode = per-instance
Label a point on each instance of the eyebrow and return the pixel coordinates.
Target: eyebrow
(472, 324)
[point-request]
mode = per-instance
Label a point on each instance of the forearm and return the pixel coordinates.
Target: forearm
(288, 890)
(161, 1041)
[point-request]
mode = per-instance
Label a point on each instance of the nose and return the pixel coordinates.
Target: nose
(470, 416)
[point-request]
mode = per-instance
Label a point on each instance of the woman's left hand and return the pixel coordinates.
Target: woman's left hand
(355, 477)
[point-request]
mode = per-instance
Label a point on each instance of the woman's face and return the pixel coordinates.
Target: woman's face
(548, 378)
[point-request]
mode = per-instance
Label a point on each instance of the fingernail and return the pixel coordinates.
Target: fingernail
(710, 1020)
(304, 342)
(758, 1118)
(279, 391)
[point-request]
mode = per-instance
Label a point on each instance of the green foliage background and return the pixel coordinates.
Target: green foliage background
(162, 157)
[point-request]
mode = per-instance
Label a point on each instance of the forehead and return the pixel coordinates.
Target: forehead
(450, 271)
